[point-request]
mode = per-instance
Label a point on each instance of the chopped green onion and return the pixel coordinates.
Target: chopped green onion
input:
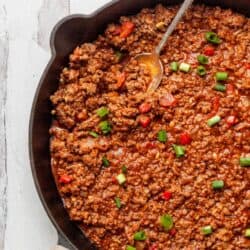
(218, 184)
(202, 59)
(245, 161)
(214, 120)
(105, 127)
(174, 66)
(221, 76)
(105, 162)
(119, 55)
(140, 236)
(247, 233)
(167, 222)
(121, 178)
(212, 37)
(179, 150)
(130, 248)
(118, 202)
(162, 136)
(185, 67)
(201, 71)
(220, 87)
(124, 169)
(94, 134)
(102, 112)
(207, 230)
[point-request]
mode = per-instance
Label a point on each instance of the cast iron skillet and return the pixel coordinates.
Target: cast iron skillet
(67, 34)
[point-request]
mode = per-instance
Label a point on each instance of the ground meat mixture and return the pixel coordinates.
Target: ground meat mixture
(166, 170)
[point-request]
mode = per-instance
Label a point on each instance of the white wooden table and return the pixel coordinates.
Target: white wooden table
(25, 26)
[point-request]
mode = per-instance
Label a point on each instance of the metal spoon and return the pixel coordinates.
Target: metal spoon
(152, 60)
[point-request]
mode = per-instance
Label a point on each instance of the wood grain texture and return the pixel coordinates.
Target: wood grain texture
(25, 27)
(4, 51)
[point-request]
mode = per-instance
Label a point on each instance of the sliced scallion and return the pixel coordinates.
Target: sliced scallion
(130, 248)
(105, 161)
(220, 87)
(174, 66)
(185, 67)
(201, 71)
(167, 222)
(121, 178)
(179, 150)
(105, 127)
(118, 202)
(124, 169)
(207, 230)
(247, 233)
(94, 134)
(102, 112)
(214, 120)
(221, 76)
(218, 184)
(212, 37)
(202, 59)
(140, 236)
(245, 161)
(162, 136)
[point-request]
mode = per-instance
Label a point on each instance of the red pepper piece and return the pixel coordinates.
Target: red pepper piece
(126, 29)
(153, 247)
(209, 51)
(230, 88)
(168, 101)
(145, 107)
(248, 66)
(144, 121)
(185, 138)
(167, 195)
(64, 179)
(121, 80)
(173, 232)
(231, 120)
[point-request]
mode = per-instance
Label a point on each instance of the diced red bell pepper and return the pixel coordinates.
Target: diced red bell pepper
(126, 29)
(216, 104)
(230, 88)
(121, 80)
(167, 195)
(209, 51)
(153, 247)
(185, 138)
(231, 120)
(167, 100)
(145, 107)
(144, 121)
(173, 232)
(65, 179)
(150, 145)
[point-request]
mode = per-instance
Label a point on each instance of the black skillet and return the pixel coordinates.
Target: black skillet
(67, 34)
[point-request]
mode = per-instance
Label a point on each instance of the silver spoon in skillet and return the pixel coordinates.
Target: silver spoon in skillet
(152, 60)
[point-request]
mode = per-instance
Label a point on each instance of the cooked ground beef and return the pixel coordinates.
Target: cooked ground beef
(117, 174)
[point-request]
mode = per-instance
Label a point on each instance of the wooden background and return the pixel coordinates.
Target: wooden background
(25, 27)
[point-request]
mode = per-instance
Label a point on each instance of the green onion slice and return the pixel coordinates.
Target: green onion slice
(247, 233)
(220, 87)
(214, 120)
(94, 134)
(202, 59)
(167, 222)
(105, 162)
(124, 169)
(179, 150)
(218, 184)
(118, 202)
(174, 66)
(207, 230)
(130, 248)
(212, 37)
(185, 67)
(201, 71)
(121, 178)
(105, 127)
(162, 136)
(102, 112)
(140, 236)
(221, 76)
(119, 55)
(245, 161)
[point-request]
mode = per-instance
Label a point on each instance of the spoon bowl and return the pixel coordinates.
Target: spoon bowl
(154, 64)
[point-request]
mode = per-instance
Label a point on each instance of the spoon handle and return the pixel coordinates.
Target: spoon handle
(186, 4)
